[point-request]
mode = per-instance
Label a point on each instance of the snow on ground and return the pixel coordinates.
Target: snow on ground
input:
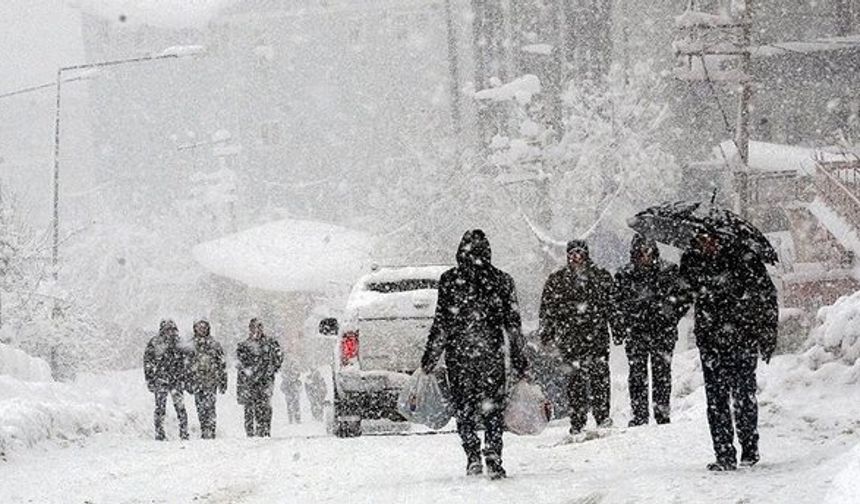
(809, 424)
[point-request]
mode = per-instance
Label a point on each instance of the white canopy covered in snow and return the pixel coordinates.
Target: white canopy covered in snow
(289, 256)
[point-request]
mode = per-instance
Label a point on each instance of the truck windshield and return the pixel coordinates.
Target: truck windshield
(405, 285)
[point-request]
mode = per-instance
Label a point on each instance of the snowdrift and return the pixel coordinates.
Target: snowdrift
(837, 336)
(32, 412)
(17, 364)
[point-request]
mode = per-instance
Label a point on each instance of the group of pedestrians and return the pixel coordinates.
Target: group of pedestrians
(171, 369)
(583, 309)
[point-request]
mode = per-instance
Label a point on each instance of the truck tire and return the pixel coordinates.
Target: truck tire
(343, 427)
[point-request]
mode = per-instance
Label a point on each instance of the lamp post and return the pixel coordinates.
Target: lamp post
(174, 52)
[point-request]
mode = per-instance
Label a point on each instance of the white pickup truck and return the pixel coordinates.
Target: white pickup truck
(382, 337)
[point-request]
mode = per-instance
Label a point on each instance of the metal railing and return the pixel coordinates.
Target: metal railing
(838, 183)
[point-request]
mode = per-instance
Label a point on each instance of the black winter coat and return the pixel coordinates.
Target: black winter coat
(259, 361)
(576, 310)
(476, 307)
(165, 365)
(207, 369)
(735, 300)
(649, 305)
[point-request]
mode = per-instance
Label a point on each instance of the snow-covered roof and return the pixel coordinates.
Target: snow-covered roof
(289, 256)
(771, 157)
(175, 14)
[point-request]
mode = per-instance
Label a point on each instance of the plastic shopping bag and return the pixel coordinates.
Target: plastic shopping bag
(528, 411)
(423, 400)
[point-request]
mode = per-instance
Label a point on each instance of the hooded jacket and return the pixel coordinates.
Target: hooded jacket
(648, 300)
(735, 300)
(258, 362)
(208, 369)
(164, 363)
(476, 307)
(576, 309)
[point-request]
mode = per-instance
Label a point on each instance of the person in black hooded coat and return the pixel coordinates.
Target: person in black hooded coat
(165, 368)
(736, 315)
(576, 309)
(207, 376)
(649, 305)
(477, 306)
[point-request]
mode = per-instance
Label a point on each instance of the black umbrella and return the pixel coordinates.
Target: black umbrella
(677, 224)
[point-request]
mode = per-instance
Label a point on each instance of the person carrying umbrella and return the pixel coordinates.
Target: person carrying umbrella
(736, 311)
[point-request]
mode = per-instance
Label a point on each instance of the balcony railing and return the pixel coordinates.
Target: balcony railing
(838, 183)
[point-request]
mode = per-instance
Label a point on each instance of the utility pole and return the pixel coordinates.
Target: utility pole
(743, 135)
(704, 35)
(454, 70)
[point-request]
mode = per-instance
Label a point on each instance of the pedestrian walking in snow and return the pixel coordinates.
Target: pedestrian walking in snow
(477, 306)
(259, 358)
(577, 306)
(165, 370)
(649, 306)
(735, 322)
(291, 386)
(208, 376)
(315, 388)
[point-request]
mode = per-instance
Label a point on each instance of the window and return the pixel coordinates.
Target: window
(405, 285)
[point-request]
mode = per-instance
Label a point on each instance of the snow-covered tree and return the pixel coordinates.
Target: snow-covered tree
(607, 164)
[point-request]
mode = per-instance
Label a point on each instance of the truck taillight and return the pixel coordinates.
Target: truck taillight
(349, 348)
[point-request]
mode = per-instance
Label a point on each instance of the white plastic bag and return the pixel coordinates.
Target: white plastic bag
(528, 410)
(424, 401)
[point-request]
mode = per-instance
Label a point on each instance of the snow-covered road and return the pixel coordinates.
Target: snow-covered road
(651, 464)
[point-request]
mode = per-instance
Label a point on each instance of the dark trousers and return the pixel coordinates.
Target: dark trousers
(661, 382)
(480, 400)
(258, 412)
(160, 410)
(294, 413)
(588, 389)
(730, 376)
(206, 413)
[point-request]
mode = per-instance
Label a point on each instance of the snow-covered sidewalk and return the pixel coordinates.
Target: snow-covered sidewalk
(809, 429)
(650, 464)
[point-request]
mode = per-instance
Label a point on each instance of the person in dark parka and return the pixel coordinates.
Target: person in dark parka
(736, 315)
(259, 358)
(165, 371)
(577, 307)
(208, 376)
(649, 306)
(476, 308)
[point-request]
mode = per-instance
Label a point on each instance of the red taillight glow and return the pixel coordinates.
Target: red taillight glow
(349, 348)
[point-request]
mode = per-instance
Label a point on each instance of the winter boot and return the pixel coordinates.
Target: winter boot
(636, 422)
(749, 457)
(474, 465)
(722, 465)
(494, 467)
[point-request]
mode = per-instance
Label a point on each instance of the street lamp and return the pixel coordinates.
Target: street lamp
(173, 52)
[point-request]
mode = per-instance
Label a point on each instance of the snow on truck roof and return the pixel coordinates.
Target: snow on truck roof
(289, 256)
(397, 273)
